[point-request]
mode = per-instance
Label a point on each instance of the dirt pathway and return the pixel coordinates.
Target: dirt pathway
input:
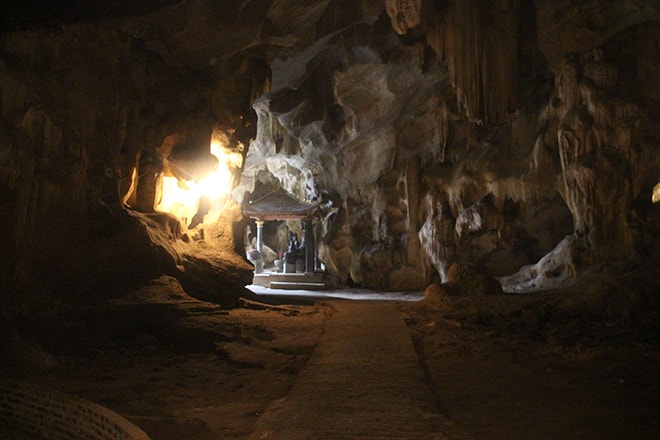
(363, 381)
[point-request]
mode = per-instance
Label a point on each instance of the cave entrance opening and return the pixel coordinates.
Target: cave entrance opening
(191, 181)
(281, 242)
(193, 189)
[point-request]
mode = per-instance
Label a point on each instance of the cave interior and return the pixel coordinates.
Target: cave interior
(470, 150)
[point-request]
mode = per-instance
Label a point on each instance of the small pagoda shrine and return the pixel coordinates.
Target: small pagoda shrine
(299, 267)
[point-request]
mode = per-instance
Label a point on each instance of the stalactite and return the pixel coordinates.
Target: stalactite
(603, 74)
(405, 14)
(568, 82)
(462, 193)
(438, 234)
(479, 41)
(412, 185)
(510, 188)
(481, 44)
(441, 115)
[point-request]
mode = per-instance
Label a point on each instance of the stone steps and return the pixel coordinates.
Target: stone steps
(285, 285)
(291, 281)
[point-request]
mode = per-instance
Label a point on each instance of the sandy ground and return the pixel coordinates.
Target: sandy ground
(502, 367)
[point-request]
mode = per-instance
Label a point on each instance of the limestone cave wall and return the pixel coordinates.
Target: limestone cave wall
(83, 99)
(493, 135)
(490, 134)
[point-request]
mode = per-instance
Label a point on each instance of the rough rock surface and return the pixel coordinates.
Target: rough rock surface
(431, 133)
(447, 143)
(473, 136)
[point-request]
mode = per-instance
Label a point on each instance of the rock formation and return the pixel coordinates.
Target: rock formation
(472, 135)
(508, 135)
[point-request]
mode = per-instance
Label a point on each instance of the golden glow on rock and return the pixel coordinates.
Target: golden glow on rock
(655, 198)
(182, 197)
(178, 199)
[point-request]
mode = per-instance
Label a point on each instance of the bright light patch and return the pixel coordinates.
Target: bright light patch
(181, 198)
(655, 198)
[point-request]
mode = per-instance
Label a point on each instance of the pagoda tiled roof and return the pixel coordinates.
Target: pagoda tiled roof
(278, 205)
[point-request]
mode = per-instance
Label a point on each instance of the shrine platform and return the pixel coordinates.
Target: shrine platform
(291, 281)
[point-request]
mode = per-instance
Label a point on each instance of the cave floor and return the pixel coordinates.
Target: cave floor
(485, 367)
(363, 381)
(524, 367)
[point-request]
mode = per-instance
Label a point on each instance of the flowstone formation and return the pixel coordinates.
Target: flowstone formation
(471, 134)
